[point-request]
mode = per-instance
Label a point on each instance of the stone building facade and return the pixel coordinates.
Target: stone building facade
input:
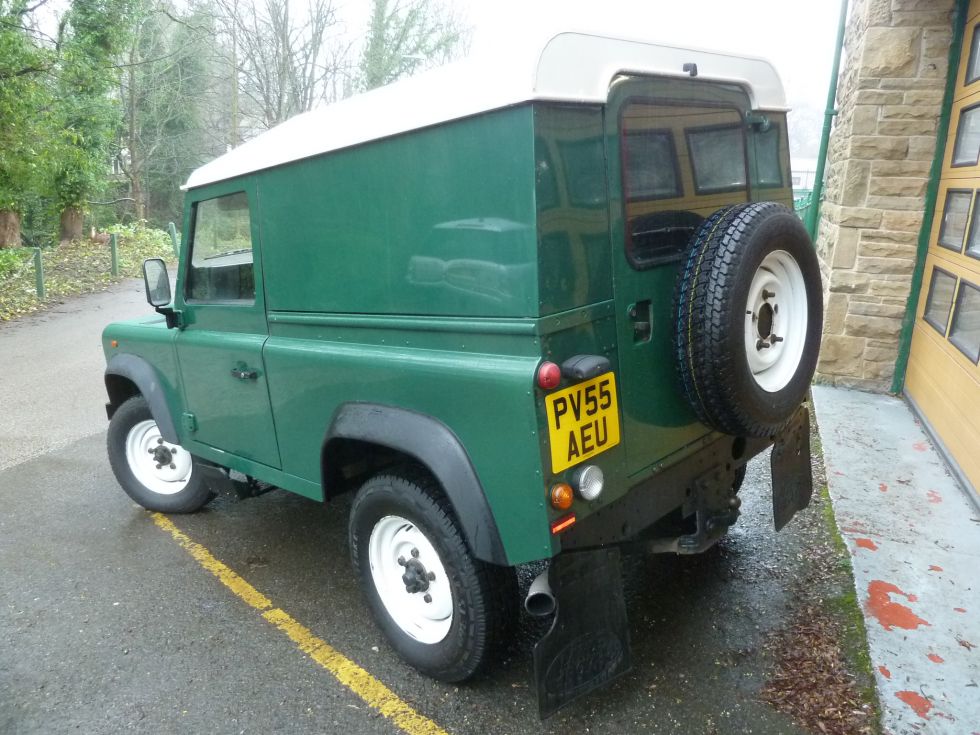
(889, 101)
(899, 235)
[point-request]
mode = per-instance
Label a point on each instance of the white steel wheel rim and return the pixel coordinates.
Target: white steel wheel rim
(394, 538)
(145, 447)
(776, 321)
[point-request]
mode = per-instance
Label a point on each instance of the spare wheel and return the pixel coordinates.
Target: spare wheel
(748, 321)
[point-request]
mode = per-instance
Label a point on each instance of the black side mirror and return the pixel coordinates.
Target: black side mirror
(157, 282)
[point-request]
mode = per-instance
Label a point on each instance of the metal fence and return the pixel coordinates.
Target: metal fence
(802, 205)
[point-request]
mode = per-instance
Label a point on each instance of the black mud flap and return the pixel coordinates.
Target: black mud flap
(588, 643)
(792, 476)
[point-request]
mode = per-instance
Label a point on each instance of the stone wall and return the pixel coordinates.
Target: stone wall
(889, 98)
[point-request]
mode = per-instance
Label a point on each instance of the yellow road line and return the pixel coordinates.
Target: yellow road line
(363, 684)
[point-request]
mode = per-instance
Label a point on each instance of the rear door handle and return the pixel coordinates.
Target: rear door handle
(244, 373)
(641, 316)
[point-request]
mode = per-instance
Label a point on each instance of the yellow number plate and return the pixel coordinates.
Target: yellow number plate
(583, 420)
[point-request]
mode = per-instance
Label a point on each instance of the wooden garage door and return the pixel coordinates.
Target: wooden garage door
(943, 375)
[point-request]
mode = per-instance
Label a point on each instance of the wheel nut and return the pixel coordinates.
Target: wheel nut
(431, 576)
(415, 553)
(150, 451)
(159, 440)
(173, 466)
(401, 561)
(427, 597)
(173, 450)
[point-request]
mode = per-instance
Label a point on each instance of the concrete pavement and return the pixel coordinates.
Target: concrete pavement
(914, 537)
(45, 402)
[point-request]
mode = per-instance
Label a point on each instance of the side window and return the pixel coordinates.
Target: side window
(221, 251)
(718, 158)
(765, 142)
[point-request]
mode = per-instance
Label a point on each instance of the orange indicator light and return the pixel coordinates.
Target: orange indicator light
(563, 523)
(114, 343)
(562, 496)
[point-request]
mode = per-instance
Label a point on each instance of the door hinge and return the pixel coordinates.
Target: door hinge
(189, 421)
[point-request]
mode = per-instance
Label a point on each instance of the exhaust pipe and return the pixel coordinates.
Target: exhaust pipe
(540, 601)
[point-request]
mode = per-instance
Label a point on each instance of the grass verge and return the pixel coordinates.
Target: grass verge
(76, 268)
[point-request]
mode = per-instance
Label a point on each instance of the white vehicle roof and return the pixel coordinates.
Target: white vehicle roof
(566, 67)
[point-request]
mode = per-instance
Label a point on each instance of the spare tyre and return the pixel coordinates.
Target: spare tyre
(749, 315)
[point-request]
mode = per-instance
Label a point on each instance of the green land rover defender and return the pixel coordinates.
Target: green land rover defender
(523, 311)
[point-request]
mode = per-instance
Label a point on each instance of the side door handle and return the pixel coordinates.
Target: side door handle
(243, 373)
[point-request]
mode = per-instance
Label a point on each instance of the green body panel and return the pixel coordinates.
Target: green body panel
(440, 221)
(572, 217)
(148, 337)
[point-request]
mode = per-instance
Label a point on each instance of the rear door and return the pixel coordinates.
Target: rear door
(220, 346)
(677, 151)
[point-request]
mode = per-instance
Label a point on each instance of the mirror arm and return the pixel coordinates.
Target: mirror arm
(171, 315)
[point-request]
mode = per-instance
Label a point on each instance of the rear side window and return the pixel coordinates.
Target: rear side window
(650, 165)
(718, 158)
(221, 267)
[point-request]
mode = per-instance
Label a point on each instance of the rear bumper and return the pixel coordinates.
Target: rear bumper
(702, 484)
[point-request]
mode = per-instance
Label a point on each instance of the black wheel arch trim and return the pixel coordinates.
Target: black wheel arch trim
(146, 379)
(435, 446)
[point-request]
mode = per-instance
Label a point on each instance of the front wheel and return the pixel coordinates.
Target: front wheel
(443, 611)
(155, 473)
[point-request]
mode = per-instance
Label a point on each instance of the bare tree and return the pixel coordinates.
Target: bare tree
(285, 63)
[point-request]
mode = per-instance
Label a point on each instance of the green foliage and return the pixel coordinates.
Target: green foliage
(137, 242)
(12, 261)
(77, 268)
(83, 117)
(24, 90)
(405, 35)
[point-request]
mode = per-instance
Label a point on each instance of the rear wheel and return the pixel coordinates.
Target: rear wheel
(749, 314)
(444, 612)
(155, 473)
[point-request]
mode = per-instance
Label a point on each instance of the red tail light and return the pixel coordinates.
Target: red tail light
(549, 375)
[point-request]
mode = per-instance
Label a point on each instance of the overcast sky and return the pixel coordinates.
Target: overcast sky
(797, 36)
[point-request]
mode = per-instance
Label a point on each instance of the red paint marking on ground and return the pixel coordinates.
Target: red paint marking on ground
(919, 704)
(883, 486)
(866, 543)
(962, 610)
(912, 598)
(934, 568)
(891, 614)
(920, 446)
(934, 497)
(885, 672)
(936, 658)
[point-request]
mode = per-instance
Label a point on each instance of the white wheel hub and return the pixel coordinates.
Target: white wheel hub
(160, 466)
(410, 579)
(776, 321)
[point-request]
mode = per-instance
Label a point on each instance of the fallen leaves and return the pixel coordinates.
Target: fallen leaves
(812, 682)
(76, 268)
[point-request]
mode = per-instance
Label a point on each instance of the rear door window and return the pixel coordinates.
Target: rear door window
(681, 160)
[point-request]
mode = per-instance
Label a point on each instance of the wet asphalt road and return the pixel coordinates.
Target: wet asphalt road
(107, 625)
